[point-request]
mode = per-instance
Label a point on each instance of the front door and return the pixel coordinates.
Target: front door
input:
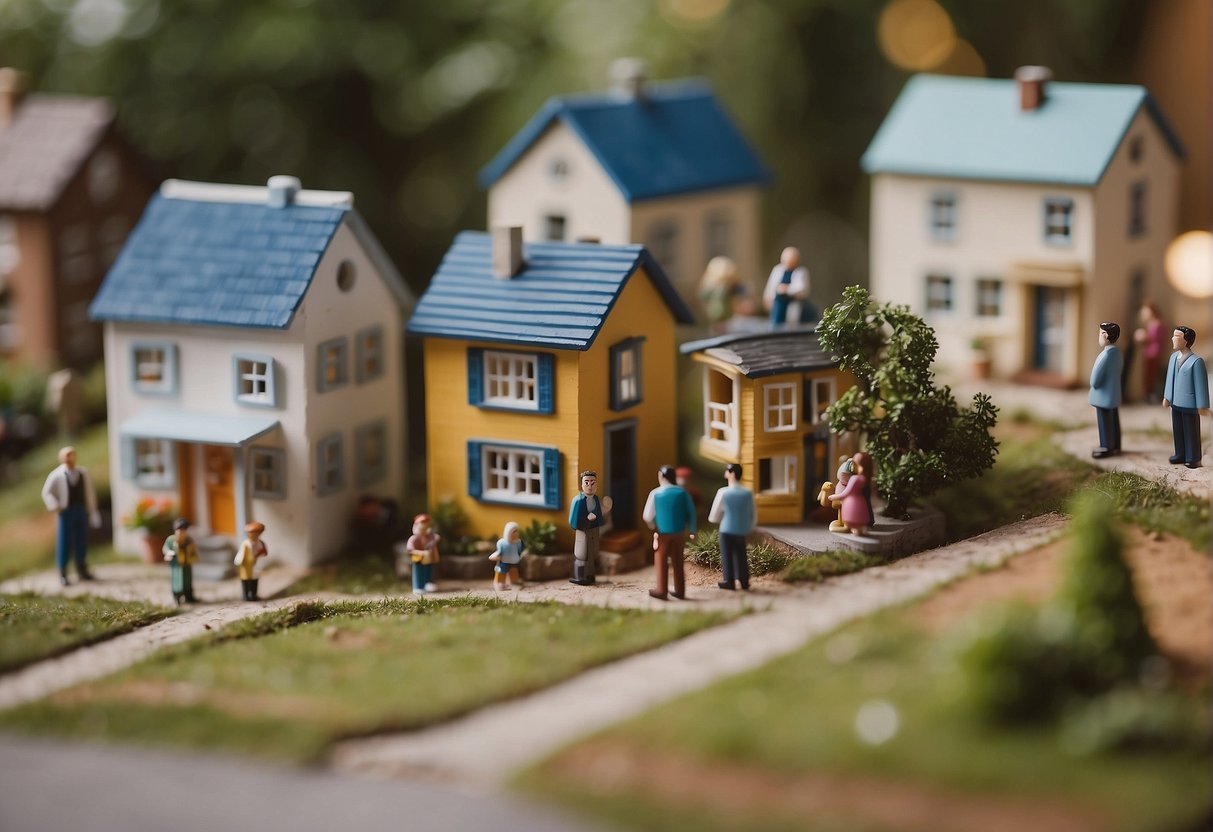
(1049, 337)
(220, 489)
(817, 467)
(619, 480)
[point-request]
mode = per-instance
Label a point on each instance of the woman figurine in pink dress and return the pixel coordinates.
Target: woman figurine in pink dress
(854, 505)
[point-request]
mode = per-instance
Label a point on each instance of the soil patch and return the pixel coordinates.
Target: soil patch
(619, 768)
(183, 694)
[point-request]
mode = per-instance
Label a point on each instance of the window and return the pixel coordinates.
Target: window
(626, 378)
(370, 453)
(1137, 209)
(511, 380)
(989, 297)
(1059, 217)
(663, 245)
(153, 463)
(153, 368)
(346, 275)
(254, 379)
(368, 355)
(720, 394)
(330, 467)
(777, 475)
(10, 252)
(554, 228)
(820, 393)
(1136, 149)
(516, 474)
(718, 233)
(939, 293)
(779, 406)
(268, 466)
(332, 369)
(943, 216)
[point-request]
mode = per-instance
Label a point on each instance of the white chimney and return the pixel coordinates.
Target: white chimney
(13, 85)
(280, 191)
(1032, 81)
(507, 251)
(628, 76)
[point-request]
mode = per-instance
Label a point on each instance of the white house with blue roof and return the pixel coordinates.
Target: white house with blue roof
(660, 164)
(1023, 212)
(254, 363)
(541, 361)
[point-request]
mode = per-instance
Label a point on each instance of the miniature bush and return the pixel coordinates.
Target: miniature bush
(816, 568)
(918, 436)
(764, 558)
(1132, 718)
(449, 518)
(539, 538)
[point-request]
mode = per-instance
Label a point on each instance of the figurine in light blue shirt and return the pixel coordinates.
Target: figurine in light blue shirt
(507, 558)
(671, 514)
(1187, 394)
(1105, 394)
(734, 510)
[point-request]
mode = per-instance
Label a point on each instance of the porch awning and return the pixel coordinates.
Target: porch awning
(203, 428)
(1061, 275)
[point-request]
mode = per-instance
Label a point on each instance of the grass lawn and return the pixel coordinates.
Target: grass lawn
(355, 573)
(793, 728)
(287, 684)
(33, 627)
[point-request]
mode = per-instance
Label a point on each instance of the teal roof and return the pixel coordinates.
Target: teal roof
(972, 128)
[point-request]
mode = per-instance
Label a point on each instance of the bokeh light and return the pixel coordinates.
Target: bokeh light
(877, 722)
(915, 35)
(693, 12)
(1189, 264)
(964, 59)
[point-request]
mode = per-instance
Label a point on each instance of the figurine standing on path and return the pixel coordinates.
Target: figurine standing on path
(69, 491)
(423, 551)
(734, 510)
(587, 515)
(507, 557)
(250, 550)
(786, 295)
(671, 514)
(1105, 393)
(182, 554)
(1153, 339)
(1187, 394)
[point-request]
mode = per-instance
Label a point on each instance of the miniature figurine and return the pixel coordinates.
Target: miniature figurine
(854, 514)
(723, 294)
(1152, 336)
(734, 510)
(846, 469)
(1105, 393)
(587, 515)
(423, 550)
(1187, 394)
(864, 465)
(507, 557)
(182, 554)
(671, 514)
(251, 549)
(787, 293)
(69, 491)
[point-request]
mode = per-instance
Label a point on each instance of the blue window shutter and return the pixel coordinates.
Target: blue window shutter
(474, 479)
(547, 383)
(551, 478)
(128, 457)
(475, 376)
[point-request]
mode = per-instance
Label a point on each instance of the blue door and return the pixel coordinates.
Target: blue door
(1049, 328)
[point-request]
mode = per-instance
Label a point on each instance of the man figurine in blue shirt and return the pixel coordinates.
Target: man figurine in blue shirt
(733, 509)
(1105, 394)
(1187, 394)
(68, 491)
(671, 514)
(587, 516)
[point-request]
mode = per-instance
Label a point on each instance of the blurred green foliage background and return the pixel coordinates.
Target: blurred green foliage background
(402, 102)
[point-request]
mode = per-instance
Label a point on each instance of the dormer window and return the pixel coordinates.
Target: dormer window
(1059, 220)
(1136, 149)
(943, 216)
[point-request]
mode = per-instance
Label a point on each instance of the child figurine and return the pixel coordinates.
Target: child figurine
(854, 508)
(251, 549)
(846, 467)
(423, 550)
(507, 557)
(182, 554)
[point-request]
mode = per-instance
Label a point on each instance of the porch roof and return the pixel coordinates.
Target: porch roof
(202, 428)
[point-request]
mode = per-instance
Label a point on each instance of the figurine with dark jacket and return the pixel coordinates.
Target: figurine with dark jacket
(587, 515)
(1105, 395)
(734, 510)
(69, 491)
(1187, 394)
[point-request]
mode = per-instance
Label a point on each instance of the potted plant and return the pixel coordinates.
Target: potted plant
(153, 519)
(980, 351)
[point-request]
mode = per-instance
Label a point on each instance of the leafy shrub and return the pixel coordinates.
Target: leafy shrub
(1133, 719)
(816, 568)
(539, 538)
(763, 557)
(450, 520)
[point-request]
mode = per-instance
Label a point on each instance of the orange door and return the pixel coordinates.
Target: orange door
(220, 489)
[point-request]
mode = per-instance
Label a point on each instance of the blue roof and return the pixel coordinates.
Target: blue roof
(559, 300)
(225, 263)
(191, 426)
(973, 128)
(675, 139)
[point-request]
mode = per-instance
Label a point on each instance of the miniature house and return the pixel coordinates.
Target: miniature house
(764, 401)
(70, 192)
(656, 164)
(254, 363)
(1023, 212)
(543, 360)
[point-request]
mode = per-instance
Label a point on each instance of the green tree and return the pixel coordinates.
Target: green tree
(918, 436)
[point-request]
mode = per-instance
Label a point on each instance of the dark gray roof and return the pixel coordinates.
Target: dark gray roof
(45, 145)
(768, 353)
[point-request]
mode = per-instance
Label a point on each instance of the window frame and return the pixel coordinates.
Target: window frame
(781, 408)
(324, 465)
(166, 450)
(167, 385)
(270, 397)
(814, 401)
(942, 215)
(1060, 234)
(277, 473)
(630, 346)
(1137, 208)
(341, 361)
(364, 351)
(949, 299)
(788, 469)
(480, 472)
(375, 471)
(982, 287)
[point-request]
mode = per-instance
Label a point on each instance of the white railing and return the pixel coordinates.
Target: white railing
(722, 422)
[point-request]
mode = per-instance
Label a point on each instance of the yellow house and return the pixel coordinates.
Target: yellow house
(764, 402)
(542, 361)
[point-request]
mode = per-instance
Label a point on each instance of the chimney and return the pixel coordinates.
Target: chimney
(13, 85)
(507, 251)
(1032, 81)
(280, 191)
(627, 77)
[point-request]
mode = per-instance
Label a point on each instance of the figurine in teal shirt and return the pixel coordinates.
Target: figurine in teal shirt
(670, 512)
